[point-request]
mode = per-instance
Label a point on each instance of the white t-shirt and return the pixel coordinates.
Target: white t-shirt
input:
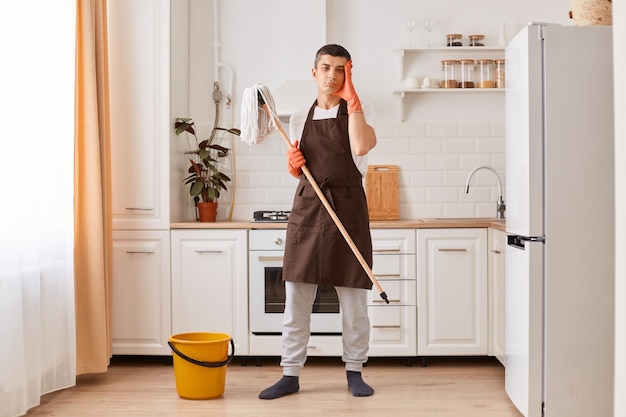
(298, 119)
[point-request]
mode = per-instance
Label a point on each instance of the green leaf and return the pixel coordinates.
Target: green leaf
(184, 125)
(204, 154)
(223, 176)
(213, 194)
(196, 188)
(231, 130)
(219, 148)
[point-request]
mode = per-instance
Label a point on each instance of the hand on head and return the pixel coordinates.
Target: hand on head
(347, 92)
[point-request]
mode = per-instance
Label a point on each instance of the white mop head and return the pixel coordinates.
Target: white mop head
(256, 122)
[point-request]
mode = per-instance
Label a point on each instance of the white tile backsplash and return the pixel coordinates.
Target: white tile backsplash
(434, 159)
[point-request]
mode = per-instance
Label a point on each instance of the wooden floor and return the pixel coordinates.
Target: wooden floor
(145, 386)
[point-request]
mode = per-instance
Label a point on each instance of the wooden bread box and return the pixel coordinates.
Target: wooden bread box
(381, 190)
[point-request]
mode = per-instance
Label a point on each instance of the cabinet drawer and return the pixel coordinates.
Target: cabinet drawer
(393, 241)
(394, 266)
(393, 331)
(399, 292)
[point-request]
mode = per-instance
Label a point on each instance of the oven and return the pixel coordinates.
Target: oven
(267, 290)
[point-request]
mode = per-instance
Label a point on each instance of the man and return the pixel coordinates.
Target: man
(335, 135)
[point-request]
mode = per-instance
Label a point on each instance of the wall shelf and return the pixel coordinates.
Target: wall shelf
(444, 49)
(496, 52)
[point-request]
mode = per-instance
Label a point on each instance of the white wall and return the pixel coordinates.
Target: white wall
(441, 140)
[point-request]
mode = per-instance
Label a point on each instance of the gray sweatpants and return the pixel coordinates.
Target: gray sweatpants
(297, 324)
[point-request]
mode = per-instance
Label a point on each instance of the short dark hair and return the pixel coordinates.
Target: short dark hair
(332, 50)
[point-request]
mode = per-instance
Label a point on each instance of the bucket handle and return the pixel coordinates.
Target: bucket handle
(206, 364)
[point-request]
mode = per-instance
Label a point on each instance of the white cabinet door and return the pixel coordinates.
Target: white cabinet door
(497, 249)
(139, 80)
(452, 292)
(210, 283)
(141, 322)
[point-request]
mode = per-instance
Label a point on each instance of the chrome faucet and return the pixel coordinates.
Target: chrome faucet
(500, 205)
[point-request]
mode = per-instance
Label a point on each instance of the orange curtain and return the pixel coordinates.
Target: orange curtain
(92, 191)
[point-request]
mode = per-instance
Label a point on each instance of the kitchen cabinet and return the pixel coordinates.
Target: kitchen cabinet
(497, 249)
(428, 60)
(452, 288)
(139, 85)
(393, 326)
(141, 317)
(209, 283)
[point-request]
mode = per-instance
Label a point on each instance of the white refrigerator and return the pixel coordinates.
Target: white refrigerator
(560, 221)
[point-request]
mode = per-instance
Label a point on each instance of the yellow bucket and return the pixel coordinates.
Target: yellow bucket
(200, 361)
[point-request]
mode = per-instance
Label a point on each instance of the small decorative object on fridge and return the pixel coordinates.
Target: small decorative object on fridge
(449, 67)
(467, 73)
(454, 39)
(592, 12)
(500, 73)
(476, 40)
(485, 73)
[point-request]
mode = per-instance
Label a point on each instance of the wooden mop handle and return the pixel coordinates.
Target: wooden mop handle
(333, 215)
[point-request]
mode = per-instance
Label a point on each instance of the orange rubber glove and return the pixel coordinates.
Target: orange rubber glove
(295, 160)
(348, 93)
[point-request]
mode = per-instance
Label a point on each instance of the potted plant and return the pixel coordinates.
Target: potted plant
(205, 180)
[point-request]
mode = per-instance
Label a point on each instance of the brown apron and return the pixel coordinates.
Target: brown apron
(315, 250)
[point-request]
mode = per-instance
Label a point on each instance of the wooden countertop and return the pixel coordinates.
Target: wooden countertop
(426, 223)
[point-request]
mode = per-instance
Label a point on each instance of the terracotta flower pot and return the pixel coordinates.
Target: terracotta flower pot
(207, 212)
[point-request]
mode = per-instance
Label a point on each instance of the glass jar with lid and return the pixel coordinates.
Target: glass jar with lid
(476, 40)
(485, 73)
(454, 39)
(450, 73)
(466, 67)
(500, 73)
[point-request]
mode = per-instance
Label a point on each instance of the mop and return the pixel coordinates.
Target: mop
(258, 120)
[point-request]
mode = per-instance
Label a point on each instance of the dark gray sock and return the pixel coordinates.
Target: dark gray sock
(286, 385)
(356, 384)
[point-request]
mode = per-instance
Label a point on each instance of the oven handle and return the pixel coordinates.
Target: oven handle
(270, 258)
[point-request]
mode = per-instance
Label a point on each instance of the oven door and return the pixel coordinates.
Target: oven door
(267, 297)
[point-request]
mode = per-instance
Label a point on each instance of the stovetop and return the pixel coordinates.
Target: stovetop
(271, 216)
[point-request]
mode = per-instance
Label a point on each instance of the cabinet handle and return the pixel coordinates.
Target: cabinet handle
(452, 250)
(311, 347)
(382, 301)
(270, 258)
(139, 208)
(386, 250)
(380, 326)
(140, 251)
(208, 251)
(388, 275)
(496, 251)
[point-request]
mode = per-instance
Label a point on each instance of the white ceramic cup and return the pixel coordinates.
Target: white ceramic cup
(430, 83)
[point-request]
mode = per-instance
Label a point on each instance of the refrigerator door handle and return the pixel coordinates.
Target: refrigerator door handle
(519, 242)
